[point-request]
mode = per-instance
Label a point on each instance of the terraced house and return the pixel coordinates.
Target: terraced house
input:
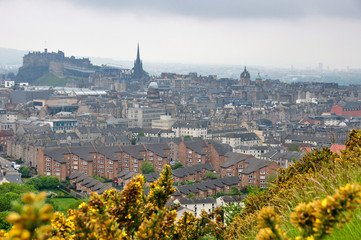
(106, 162)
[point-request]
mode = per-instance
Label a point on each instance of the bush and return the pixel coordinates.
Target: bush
(44, 182)
(177, 165)
(25, 172)
(147, 167)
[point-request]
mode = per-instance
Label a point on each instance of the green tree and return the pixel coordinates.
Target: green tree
(133, 141)
(44, 182)
(147, 167)
(190, 195)
(233, 191)
(294, 148)
(25, 172)
(211, 175)
(141, 134)
(178, 165)
(231, 210)
(3, 223)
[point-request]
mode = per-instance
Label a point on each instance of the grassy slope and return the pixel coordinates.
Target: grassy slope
(50, 79)
(322, 185)
(324, 182)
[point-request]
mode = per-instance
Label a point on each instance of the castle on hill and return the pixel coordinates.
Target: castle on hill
(36, 64)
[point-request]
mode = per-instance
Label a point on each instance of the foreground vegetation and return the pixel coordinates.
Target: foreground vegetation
(316, 198)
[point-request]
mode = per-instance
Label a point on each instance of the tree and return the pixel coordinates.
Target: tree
(231, 210)
(211, 175)
(133, 141)
(178, 165)
(25, 172)
(147, 167)
(233, 191)
(141, 134)
(295, 148)
(44, 182)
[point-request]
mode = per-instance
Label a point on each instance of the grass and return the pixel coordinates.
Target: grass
(324, 183)
(50, 79)
(62, 204)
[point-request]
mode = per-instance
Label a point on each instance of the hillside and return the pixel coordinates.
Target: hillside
(318, 197)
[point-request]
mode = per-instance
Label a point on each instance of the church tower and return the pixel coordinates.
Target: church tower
(245, 77)
(138, 66)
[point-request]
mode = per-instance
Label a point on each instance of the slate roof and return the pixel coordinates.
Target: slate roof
(83, 152)
(134, 151)
(196, 146)
(56, 153)
(243, 136)
(203, 200)
(234, 158)
(186, 189)
(183, 172)
(109, 152)
(254, 164)
(125, 174)
(220, 148)
(158, 149)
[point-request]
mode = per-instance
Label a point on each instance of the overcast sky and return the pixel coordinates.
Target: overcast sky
(270, 33)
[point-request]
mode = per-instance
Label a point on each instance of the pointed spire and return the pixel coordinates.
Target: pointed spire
(138, 54)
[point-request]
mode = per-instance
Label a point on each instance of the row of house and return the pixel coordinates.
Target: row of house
(106, 162)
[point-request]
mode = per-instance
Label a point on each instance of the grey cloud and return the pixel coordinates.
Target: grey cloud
(233, 9)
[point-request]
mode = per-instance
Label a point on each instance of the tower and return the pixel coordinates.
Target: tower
(245, 77)
(138, 66)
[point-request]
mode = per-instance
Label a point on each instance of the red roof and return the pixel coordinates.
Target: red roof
(336, 148)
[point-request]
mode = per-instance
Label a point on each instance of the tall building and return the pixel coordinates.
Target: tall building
(138, 66)
(245, 77)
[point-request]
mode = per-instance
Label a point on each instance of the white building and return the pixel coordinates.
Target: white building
(196, 205)
(165, 122)
(142, 116)
(9, 84)
(193, 129)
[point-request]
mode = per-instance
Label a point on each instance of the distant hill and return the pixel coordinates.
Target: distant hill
(11, 56)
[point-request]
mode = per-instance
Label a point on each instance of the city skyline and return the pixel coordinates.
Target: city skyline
(277, 34)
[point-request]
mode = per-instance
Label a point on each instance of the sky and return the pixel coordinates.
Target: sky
(269, 33)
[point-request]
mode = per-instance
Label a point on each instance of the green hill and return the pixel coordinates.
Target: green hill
(50, 79)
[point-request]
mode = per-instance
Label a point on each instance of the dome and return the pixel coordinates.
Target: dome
(153, 85)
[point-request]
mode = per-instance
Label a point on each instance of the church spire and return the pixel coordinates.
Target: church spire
(138, 54)
(138, 66)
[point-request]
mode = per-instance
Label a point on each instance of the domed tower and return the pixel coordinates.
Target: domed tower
(153, 92)
(245, 77)
(258, 79)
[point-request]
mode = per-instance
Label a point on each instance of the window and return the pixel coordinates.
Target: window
(110, 171)
(57, 164)
(48, 169)
(85, 163)
(250, 180)
(110, 162)
(57, 169)
(48, 164)
(262, 177)
(240, 165)
(189, 160)
(75, 163)
(75, 158)
(160, 158)
(199, 160)
(229, 170)
(240, 170)
(57, 174)
(135, 160)
(250, 176)
(48, 159)
(262, 186)
(150, 154)
(263, 172)
(229, 174)
(84, 167)
(262, 181)
(75, 167)
(135, 170)
(110, 167)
